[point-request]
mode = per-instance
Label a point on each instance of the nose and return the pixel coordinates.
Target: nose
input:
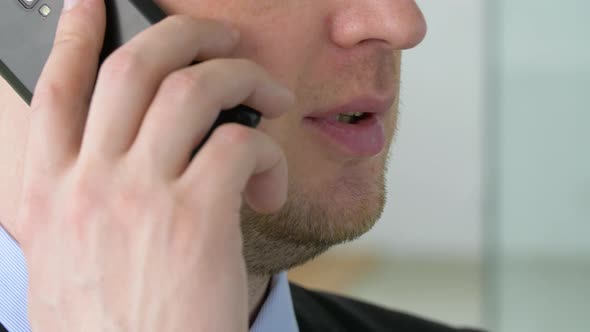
(399, 23)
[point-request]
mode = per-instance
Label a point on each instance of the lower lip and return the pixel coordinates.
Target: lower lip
(363, 139)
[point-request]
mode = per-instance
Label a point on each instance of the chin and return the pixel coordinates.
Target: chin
(309, 223)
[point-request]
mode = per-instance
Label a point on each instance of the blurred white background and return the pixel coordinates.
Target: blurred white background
(539, 268)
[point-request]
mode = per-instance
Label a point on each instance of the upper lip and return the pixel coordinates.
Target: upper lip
(377, 105)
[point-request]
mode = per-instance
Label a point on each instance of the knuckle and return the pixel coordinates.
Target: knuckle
(79, 210)
(83, 188)
(181, 82)
(202, 79)
(85, 199)
(87, 182)
(130, 199)
(73, 39)
(50, 94)
(124, 62)
(186, 83)
(33, 199)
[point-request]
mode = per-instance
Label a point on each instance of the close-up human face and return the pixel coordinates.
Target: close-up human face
(330, 53)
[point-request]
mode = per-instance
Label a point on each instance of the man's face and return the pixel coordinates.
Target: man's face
(328, 52)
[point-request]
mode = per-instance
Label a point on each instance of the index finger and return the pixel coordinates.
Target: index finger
(64, 89)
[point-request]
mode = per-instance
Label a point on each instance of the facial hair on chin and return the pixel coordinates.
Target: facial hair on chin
(306, 227)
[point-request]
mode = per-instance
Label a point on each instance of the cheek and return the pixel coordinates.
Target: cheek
(282, 130)
(287, 133)
(273, 46)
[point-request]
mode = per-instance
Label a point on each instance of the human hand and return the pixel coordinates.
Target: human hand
(121, 231)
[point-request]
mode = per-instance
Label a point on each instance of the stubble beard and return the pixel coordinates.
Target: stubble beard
(309, 224)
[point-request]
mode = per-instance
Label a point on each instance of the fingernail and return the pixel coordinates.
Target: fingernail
(69, 4)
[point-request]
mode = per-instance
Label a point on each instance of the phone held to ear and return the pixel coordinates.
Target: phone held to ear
(28, 31)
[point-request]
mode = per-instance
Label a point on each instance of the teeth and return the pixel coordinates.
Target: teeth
(344, 118)
(354, 113)
(350, 117)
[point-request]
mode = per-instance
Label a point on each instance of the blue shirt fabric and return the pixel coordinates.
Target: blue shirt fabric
(276, 314)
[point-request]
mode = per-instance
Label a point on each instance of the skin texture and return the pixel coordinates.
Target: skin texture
(326, 52)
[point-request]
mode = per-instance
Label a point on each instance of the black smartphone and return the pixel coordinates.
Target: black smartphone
(27, 31)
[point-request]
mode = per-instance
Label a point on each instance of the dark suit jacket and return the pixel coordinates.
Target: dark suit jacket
(319, 311)
(324, 312)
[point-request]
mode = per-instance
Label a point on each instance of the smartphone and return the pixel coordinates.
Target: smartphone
(27, 32)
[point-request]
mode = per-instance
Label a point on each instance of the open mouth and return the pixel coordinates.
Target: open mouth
(360, 134)
(352, 118)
